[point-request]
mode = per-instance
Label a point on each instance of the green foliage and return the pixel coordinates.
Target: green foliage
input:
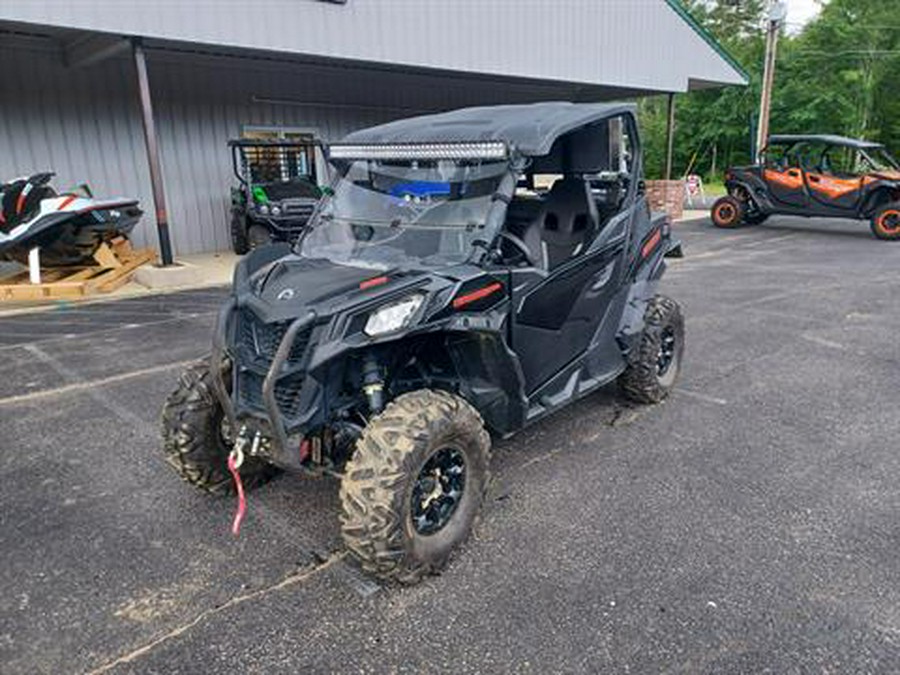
(839, 75)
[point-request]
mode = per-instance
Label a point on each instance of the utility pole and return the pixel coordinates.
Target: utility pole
(777, 12)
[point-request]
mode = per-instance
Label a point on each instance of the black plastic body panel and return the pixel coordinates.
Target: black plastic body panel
(515, 340)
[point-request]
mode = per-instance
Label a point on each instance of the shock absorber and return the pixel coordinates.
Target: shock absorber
(373, 385)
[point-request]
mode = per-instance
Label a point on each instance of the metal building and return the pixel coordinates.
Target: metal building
(69, 98)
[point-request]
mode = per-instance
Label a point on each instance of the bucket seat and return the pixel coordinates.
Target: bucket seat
(565, 224)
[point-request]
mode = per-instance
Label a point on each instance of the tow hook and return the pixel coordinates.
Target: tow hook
(235, 460)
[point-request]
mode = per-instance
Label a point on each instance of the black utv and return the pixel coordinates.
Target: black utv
(276, 193)
(469, 273)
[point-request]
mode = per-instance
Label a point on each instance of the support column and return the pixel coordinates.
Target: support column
(159, 196)
(670, 136)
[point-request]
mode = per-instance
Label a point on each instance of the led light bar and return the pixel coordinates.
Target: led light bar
(475, 150)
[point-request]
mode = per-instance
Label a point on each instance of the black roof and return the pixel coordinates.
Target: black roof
(530, 128)
(823, 138)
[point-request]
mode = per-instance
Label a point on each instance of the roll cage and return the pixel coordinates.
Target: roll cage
(818, 154)
(596, 162)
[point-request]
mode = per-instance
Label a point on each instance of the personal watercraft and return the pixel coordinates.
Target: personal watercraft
(68, 228)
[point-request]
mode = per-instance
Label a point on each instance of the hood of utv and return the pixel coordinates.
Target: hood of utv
(293, 285)
(308, 281)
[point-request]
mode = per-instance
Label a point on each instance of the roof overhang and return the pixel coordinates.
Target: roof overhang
(639, 48)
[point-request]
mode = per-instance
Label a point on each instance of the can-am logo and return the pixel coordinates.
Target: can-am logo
(286, 294)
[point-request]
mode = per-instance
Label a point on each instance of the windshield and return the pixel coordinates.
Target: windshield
(298, 188)
(880, 160)
(406, 213)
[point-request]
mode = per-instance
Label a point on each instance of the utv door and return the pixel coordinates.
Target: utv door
(556, 319)
(837, 196)
(835, 185)
(786, 186)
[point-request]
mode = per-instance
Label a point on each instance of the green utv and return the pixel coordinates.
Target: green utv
(276, 192)
(468, 274)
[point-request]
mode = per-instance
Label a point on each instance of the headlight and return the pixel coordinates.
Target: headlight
(393, 316)
(276, 210)
(263, 209)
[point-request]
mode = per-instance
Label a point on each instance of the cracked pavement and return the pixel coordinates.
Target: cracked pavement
(750, 523)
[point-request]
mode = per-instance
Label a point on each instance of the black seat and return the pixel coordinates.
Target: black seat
(10, 193)
(22, 199)
(565, 224)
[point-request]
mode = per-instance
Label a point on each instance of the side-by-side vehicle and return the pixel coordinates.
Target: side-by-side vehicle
(815, 176)
(276, 192)
(467, 274)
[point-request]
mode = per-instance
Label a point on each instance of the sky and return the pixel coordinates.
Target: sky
(800, 12)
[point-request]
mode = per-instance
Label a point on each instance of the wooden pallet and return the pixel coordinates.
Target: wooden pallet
(116, 263)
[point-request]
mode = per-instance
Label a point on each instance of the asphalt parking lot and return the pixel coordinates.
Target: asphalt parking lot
(749, 524)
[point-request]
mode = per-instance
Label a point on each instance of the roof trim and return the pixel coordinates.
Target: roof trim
(708, 37)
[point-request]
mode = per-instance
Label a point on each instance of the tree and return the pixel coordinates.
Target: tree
(840, 75)
(712, 123)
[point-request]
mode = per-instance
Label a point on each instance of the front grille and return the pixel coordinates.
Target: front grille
(298, 208)
(287, 392)
(259, 342)
(263, 339)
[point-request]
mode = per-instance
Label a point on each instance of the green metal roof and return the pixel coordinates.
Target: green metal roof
(708, 37)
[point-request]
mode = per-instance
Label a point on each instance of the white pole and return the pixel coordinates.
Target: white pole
(34, 265)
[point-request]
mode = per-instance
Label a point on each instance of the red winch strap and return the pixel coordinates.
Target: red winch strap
(242, 502)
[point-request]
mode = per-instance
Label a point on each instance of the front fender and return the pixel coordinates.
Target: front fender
(491, 378)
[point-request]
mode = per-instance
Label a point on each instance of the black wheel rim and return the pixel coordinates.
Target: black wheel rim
(438, 490)
(666, 356)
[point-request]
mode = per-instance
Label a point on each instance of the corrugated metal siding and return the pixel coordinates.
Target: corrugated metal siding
(200, 103)
(85, 125)
(82, 124)
(633, 43)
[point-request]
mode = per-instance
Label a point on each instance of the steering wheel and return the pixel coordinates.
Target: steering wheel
(521, 245)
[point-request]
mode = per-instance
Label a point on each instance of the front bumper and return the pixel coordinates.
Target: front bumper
(290, 222)
(265, 407)
(282, 226)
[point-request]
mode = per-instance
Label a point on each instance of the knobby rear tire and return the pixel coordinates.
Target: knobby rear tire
(885, 224)
(641, 380)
